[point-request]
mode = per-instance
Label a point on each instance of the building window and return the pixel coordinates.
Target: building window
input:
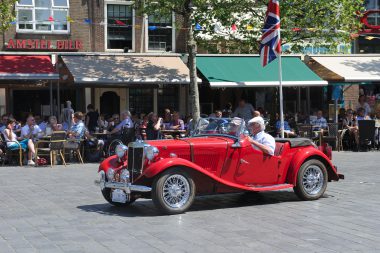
(119, 26)
(138, 102)
(168, 97)
(373, 19)
(36, 15)
(160, 33)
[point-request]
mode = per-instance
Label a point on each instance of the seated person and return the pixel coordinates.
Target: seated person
(44, 124)
(361, 114)
(287, 128)
(14, 144)
(351, 127)
(113, 122)
(319, 123)
(153, 127)
(125, 123)
(176, 123)
(259, 139)
(76, 132)
(53, 125)
(31, 130)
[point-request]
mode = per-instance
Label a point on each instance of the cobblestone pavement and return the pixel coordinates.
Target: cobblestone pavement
(61, 210)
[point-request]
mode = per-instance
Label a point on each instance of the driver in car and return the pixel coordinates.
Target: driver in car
(259, 139)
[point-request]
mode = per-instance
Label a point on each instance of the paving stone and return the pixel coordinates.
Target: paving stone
(60, 210)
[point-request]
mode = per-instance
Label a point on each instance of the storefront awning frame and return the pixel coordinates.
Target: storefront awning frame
(27, 67)
(350, 68)
(127, 69)
(245, 71)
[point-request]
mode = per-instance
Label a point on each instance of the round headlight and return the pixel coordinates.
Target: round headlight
(151, 152)
(124, 175)
(120, 150)
(110, 174)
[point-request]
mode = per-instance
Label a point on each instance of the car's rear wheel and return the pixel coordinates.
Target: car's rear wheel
(107, 195)
(173, 191)
(311, 180)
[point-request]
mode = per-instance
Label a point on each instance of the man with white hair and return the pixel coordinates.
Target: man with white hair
(125, 123)
(260, 140)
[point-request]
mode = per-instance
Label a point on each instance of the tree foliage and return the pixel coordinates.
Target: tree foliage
(326, 23)
(7, 14)
(237, 24)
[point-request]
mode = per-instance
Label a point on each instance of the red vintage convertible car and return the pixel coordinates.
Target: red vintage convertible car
(216, 159)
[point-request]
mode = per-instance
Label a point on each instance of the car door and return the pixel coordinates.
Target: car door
(256, 168)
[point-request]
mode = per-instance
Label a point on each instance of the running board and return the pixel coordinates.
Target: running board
(269, 187)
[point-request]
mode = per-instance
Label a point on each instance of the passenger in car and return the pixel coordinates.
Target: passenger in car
(259, 139)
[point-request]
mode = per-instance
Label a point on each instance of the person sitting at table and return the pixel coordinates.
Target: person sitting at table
(153, 127)
(14, 143)
(44, 123)
(102, 122)
(361, 114)
(363, 104)
(76, 132)
(350, 128)
(31, 130)
(53, 125)
(176, 123)
(113, 122)
(319, 123)
(125, 123)
(287, 130)
(167, 119)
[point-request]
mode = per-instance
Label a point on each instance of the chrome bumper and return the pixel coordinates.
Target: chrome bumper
(127, 187)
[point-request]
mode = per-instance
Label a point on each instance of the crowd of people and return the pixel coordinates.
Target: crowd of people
(97, 128)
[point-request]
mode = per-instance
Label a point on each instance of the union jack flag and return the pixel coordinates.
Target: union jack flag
(270, 46)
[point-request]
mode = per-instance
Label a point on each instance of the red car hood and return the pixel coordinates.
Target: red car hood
(207, 152)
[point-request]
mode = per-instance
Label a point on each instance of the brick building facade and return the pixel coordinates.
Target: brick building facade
(59, 27)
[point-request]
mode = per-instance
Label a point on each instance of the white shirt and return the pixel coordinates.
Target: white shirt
(25, 130)
(10, 141)
(265, 139)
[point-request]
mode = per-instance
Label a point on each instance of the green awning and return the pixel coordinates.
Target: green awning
(246, 71)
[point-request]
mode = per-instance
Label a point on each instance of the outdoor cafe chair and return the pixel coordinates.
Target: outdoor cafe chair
(332, 135)
(51, 147)
(366, 133)
(74, 146)
(10, 153)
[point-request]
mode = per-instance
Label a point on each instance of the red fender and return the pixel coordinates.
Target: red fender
(112, 162)
(157, 167)
(304, 154)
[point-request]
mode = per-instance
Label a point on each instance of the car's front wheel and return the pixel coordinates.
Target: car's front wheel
(311, 180)
(107, 196)
(173, 191)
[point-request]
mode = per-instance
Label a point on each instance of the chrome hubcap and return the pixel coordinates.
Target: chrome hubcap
(313, 180)
(176, 191)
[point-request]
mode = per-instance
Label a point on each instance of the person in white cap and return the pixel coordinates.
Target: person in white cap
(259, 139)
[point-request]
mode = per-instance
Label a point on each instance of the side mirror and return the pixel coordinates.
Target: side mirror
(246, 133)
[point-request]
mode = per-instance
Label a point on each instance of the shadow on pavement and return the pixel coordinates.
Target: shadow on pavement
(146, 208)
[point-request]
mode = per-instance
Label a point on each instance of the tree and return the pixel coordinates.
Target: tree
(7, 15)
(237, 24)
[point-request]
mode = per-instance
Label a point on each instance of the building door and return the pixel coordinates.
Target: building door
(109, 103)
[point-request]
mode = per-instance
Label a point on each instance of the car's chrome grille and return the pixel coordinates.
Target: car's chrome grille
(135, 159)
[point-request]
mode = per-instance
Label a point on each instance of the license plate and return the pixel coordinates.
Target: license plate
(119, 196)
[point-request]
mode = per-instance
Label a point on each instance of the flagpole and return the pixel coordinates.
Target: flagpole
(280, 80)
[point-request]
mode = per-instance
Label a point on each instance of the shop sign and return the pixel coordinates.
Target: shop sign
(28, 44)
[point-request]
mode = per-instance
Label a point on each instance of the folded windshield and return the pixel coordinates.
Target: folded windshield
(219, 126)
